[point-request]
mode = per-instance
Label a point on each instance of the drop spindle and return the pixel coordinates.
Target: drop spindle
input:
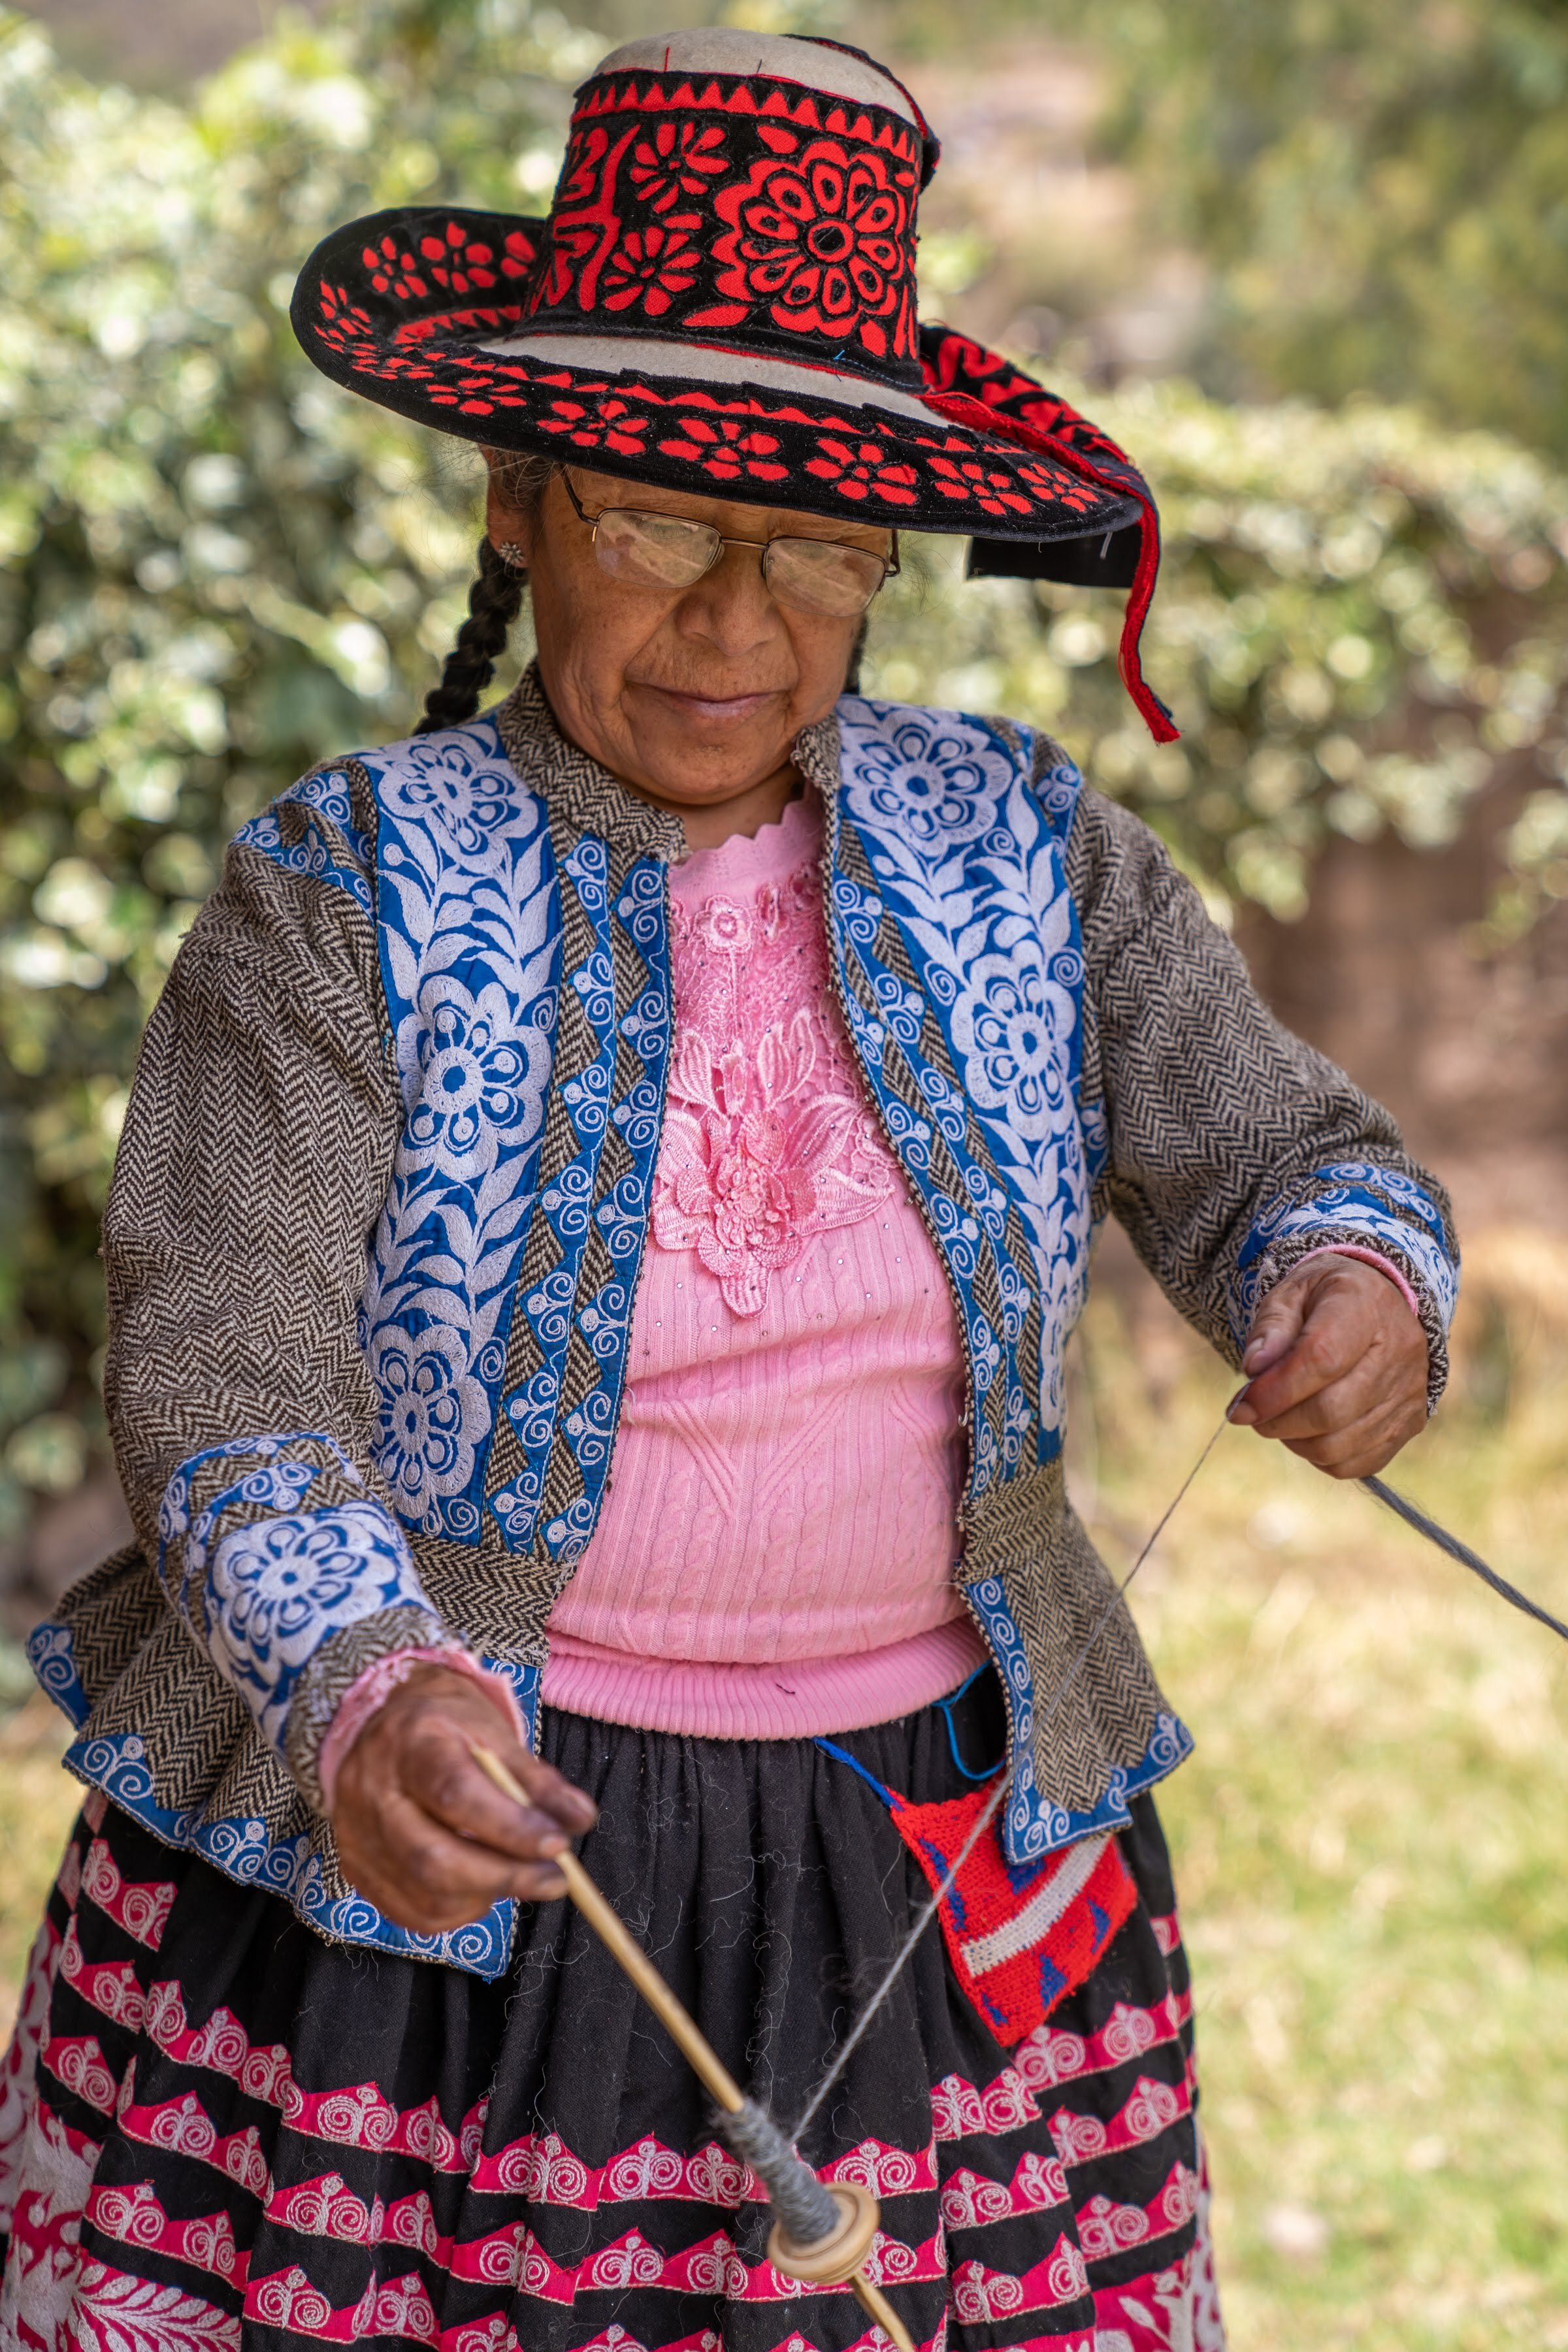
(823, 2231)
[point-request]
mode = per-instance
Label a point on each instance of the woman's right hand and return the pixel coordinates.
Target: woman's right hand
(421, 1832)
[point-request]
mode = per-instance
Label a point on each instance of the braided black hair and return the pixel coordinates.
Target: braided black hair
(857, 651)
(494, 602)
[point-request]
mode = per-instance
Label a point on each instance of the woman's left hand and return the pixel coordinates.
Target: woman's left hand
(1337, 1368)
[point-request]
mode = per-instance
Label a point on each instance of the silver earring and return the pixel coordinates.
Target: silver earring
(512, 556)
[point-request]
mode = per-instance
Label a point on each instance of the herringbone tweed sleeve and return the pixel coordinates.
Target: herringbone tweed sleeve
(256, 1157)
(1233, 1147)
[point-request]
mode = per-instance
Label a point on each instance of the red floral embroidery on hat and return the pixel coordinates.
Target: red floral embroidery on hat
(516, 258)
(579, 171)
(854, 469)
(610, 425)
(417, 329)
(653, 266)
(954, 363)
(823, 236)
(736, 215)
(679, 161)
(586, 220)
(455, 261)
(891, 472)
(1052, 482)
(727, 449)
(991, 488)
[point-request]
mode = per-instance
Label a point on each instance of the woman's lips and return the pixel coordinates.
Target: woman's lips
(717, 708)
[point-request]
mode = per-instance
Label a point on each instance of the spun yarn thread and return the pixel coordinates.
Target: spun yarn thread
(803, 2204)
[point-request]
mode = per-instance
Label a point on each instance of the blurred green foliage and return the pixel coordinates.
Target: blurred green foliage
(218, 567)
(1381, 188)
(1360, 622)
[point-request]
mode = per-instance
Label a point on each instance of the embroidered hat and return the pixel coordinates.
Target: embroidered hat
(723, 301)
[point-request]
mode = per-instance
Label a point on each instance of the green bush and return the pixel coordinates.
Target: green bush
(1359, 619)
(1380, 190)
(219, 568)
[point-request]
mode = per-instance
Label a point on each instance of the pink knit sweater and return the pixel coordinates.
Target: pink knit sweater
(774, 1555)
(773, 1558)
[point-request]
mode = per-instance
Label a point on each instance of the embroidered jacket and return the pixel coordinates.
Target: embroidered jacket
(382, 1194)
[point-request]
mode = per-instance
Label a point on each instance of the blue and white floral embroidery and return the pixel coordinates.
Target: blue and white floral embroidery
(50, 1653)
(1024, 1823)
(480, 1084)
(245, 1849)
(262, 1583)
(1031, 1825)
(327, 792)
(435, 1415)
(471, 960)
(968, 861)
(336, 854)
(967, 857)
(1349, 1200)
(270, 1473)
(280, 1588)
(560, 1306)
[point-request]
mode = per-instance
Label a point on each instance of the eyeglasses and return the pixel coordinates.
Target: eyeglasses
(649, 549)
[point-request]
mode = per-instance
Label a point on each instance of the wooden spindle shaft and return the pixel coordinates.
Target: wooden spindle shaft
(876, 2306)
(623, 1947)
(682, 2027)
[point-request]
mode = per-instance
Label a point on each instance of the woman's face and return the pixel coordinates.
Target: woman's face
(692, 696)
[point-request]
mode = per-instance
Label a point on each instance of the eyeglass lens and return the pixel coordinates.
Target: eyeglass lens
(648, 549)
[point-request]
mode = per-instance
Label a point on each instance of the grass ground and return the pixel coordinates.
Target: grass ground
(1372, 1844)
(37, 1805)
(1372, 1849)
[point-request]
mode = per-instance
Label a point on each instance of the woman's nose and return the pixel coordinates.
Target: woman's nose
(731, 605)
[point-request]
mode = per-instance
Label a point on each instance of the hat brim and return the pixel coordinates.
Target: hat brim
(429, 312)
(689, 416)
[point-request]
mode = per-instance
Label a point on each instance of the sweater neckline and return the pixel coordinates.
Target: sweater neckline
(749, 862)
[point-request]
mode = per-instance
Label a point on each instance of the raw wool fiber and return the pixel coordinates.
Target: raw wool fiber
(1423, 1525)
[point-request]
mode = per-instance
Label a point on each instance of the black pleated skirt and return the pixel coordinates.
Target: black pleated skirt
(218, 2131)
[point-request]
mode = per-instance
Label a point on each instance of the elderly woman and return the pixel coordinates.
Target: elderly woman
(605, 1196)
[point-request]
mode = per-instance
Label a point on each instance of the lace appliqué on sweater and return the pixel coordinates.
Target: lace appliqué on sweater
(768, 1138)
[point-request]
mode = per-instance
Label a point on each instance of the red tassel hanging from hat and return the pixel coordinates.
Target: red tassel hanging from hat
(979, 416)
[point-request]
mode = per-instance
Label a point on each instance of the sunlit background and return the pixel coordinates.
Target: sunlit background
(1309, 261)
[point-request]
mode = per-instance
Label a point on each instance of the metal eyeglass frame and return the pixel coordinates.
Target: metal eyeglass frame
(890, 565)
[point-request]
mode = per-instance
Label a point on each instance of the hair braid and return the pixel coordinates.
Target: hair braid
(494, 602)
(857, 652)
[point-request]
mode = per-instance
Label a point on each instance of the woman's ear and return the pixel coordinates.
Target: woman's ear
(510, 531)
(507, 526)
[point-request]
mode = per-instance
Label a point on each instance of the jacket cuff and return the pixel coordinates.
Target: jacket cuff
(272, 1551)
(375, 1685)
(1354, 1205)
